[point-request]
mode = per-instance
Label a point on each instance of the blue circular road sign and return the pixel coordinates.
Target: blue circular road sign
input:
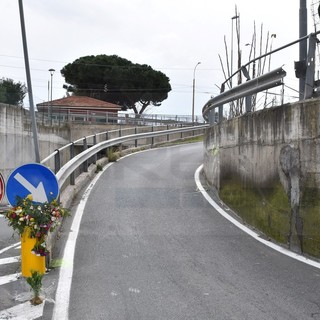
(34, 179)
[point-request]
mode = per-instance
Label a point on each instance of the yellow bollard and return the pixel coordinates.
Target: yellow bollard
(29, 261)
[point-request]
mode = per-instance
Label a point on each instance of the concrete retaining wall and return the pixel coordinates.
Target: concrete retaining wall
(266, 165)
(16, 141)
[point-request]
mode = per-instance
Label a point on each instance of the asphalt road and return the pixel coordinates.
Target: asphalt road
(151, 247)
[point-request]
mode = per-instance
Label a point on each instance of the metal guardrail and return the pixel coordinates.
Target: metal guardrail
(247, 89)
(304, 70)
(75, 161)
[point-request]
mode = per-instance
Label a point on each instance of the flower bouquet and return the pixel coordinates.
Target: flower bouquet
(38, 218)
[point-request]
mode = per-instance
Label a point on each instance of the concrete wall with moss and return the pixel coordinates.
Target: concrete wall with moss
(266, 166)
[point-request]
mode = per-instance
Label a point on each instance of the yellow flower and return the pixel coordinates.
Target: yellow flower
(29, 197)
(18, 210)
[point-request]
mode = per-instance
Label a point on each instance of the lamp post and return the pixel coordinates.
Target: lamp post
(51, 74)
(28, 75)
(193, 90)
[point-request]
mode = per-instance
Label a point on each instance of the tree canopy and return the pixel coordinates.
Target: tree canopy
(12, 92)
(117, 80)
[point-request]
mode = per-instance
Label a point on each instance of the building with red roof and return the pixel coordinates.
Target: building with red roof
(77, 108)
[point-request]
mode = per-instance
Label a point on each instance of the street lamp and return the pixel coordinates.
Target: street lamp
(26, 61)
(51, 74)
(193, 89)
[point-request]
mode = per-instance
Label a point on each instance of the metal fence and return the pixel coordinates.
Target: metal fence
(74, 158)
(91, 117)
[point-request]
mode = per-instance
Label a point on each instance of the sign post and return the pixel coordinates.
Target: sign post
(41, 183)
(2, 188)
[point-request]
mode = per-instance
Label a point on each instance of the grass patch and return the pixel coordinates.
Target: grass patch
(98, 168)
(113, 155)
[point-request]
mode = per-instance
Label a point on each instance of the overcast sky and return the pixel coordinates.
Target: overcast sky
(169, 35)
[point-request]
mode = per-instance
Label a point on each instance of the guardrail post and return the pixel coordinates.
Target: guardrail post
(211, 116)
(107, 138)
(136, 140)
(181, 133)
(152, 139)
(72, 175)
(120, 134)
(248, 100)
(168, 135)
(57, 163)
(85, 147)
(95, 157)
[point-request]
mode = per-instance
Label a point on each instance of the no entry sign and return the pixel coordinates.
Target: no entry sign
(2, 188)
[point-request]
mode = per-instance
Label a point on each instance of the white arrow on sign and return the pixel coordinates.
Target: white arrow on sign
(38, 193)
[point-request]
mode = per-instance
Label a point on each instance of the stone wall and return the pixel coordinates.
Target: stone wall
(266, 165)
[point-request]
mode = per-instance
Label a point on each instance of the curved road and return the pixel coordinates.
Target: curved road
(151, 247)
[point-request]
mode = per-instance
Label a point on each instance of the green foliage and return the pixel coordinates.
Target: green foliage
(11, 92)
(266, 209)
(35, 282)
(117, 80)
(99, 168)
(112, 155)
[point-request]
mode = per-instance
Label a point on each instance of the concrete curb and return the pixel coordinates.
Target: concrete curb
(66, 198)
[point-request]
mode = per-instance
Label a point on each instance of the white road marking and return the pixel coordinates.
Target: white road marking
(9, 260)
(9, 247)
(23, 311)
(246, 229)
(134, 290)
(61, 308)
(9, 278)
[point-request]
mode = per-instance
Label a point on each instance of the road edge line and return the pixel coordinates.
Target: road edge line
(62, 297)
(247, 230)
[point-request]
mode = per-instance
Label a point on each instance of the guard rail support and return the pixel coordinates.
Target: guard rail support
(95, 157)
(57, 161)
(72, 175)
(85, 147)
